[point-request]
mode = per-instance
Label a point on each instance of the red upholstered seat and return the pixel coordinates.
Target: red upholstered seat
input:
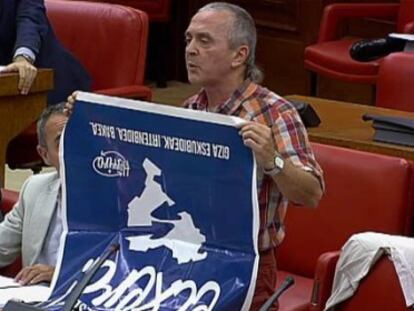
(396, 82)
(330, 55)
(109, 40)
(157, 10)
(380, 290)
(329, 59)
(159, 14)
(111, 43)
(364, 192)
(298, 295)
(9, 198)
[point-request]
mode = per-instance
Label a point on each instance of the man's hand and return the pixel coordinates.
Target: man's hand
(259, 138)
(70, 103)
(35, 274)
(27, 73)
(295, 183)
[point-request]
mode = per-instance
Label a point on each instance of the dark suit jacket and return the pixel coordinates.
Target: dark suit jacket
(23, 23)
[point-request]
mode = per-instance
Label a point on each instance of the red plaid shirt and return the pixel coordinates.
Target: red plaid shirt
(256, 103)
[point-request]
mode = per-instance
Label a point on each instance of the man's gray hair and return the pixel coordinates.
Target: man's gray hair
(242, 32)
(44, 117)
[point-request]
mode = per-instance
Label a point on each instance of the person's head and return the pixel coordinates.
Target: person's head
(49, 129)
(221, 43)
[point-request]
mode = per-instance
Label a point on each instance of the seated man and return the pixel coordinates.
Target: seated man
(27, 41)
(33, 227)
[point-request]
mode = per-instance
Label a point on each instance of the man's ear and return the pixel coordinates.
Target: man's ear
(240, 56)
(42, 151)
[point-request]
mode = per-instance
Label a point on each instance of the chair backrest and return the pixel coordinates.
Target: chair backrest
(405, 14)
(364, 192)
(395, 83)
(157, 10)
(379, 290)
(9, 198)
(109, 40)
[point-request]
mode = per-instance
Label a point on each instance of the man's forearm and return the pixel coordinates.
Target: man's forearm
(298, 185)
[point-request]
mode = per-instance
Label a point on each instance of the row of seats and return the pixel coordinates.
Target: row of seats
(394, 82)
(116, 60)
(330, 57)
(364, 192)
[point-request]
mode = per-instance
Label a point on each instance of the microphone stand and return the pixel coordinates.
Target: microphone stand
(73, 297)
(288, 282)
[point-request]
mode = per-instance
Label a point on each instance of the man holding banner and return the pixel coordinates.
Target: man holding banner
(220, 57)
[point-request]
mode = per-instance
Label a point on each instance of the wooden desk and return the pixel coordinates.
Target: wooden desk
(342, 125)
(17, 111)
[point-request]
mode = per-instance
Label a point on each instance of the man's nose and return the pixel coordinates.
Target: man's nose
(191, 48)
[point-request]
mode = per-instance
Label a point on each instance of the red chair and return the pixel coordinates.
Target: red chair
(364, 192)
(379, 290)
(159, 14)
(110, 41)
(395, 82)
(157, 10)
(330, 55)
(9, 198)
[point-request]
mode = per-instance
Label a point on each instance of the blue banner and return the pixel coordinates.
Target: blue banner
(176, 189)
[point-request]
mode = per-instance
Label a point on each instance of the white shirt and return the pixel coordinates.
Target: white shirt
(361, 252)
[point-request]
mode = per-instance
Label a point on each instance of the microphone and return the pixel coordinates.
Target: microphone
(78, 289)
(288, 282)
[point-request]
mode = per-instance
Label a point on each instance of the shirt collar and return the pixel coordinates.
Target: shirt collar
(232, 104)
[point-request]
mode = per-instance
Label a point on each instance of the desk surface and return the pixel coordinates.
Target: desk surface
(17, 111)
(342, 125)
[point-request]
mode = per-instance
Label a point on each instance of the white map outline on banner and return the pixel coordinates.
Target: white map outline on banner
(184, 239)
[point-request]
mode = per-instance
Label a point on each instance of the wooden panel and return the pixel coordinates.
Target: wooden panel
(42, 83)
(278, 15)
(283, 33)
(346, 91)
(282, 61)
(17, 111)
(342, 125)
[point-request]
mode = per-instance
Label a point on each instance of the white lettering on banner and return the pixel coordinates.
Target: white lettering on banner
(102, 130)
(128, 297)
(139, 138)
(221, 152)
(186, 145)
(80, 306)
(179, 144)
(111, 164)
